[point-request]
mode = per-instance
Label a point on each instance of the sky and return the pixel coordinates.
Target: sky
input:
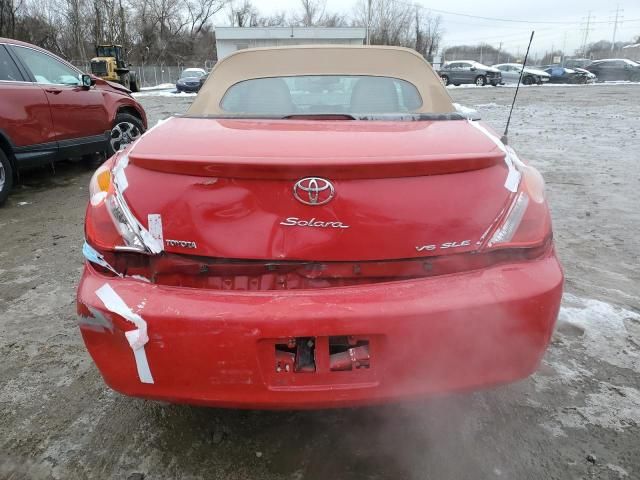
(539, 15)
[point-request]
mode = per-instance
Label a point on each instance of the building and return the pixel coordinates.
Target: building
(230, 39)
(632, 52)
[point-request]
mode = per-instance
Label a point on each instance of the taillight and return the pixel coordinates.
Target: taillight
(100, 184)
(526, 222)
(110, 225)
(507, 229)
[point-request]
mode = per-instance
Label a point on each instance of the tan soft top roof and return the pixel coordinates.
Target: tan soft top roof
(394, 62)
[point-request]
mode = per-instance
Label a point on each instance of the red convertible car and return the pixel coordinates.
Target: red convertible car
(322, 228)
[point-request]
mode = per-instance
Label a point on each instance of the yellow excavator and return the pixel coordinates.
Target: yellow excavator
(110, 64)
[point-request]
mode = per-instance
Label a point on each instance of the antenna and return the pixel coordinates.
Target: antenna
(504, 138)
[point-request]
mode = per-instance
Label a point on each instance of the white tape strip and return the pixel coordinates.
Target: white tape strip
(513, 177)
(136, 338)
(155, 227)
(120, 177)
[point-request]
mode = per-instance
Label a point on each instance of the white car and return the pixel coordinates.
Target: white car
(511, 74)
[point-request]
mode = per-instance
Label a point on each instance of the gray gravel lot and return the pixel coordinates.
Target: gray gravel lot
(578, 417)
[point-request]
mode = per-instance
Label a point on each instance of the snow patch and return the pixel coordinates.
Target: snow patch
(605, 334)
(490, 105)
(619, 470)
(600, 330)
(162, 86)
(613, 407)
(562, 373)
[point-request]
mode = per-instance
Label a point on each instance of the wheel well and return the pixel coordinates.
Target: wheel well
(130, 111)
(5, 146)
(133, 111)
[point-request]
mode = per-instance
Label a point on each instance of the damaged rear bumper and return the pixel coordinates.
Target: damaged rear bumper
(279, 349)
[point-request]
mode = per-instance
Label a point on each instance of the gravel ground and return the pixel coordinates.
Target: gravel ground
(577, 418)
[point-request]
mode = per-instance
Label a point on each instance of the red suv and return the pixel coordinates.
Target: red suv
(50, 110)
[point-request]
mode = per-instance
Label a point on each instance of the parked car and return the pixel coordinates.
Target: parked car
(511, 74)
(590, 77)
(559, 74)
(191, 79)
(459, 72)
(276, 248)
(612, 69)
(50, 110)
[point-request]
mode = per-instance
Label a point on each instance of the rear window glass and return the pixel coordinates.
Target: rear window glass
(321, 94)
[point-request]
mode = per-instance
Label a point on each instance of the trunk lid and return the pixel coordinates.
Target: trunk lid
(225, 188)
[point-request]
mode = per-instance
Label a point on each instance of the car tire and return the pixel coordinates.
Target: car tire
(480, 81)
(133, 84)
(126, 129)
(6, 177)
(457, 84)
(125, 81)
(528, 80)
(445, 80)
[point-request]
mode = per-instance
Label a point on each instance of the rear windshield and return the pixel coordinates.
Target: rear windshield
(321, 94)
(191, 73)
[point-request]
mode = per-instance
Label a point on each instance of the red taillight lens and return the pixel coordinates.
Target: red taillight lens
(99, 229)
(527, 222)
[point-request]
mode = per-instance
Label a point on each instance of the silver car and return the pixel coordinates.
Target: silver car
(511, 74)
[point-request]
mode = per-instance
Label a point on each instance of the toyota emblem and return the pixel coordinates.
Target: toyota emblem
(313, 191)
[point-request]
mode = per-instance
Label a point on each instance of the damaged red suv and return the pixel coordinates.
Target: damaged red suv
(322, 228)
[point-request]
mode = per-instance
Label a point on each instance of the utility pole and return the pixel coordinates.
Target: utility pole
(368, 22)
(615, 28)
(586, 35)
(499, 50)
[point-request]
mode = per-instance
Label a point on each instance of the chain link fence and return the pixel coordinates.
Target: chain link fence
(152, 75)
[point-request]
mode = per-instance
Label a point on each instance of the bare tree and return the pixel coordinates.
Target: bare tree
(275, 20)
(394, 22)
(200, 13)
(243, 14)
(482, 52)
(8, 10)
(428, 33)
(312, 12)
(334, 20)
(75, 31)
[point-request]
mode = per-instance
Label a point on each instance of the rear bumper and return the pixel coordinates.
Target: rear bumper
(428, 336)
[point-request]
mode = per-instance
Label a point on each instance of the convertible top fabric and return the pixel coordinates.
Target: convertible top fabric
(381, 61)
